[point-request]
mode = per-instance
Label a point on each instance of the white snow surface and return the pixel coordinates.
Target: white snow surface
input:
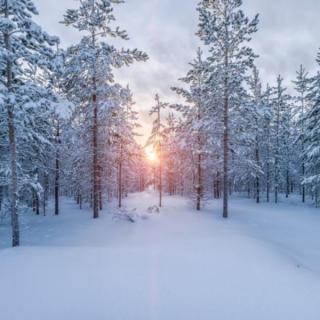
(263, 263)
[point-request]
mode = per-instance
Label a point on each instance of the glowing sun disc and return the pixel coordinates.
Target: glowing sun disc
(151, 154)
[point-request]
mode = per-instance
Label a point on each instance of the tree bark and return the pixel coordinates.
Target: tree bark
(303, 185)
(95, 163)
(160, 177)
(287, 183)
(226, 142)
(13, 188)
(95, 158)
(199, 185)
(37, 204)
(257, 178)
(57, 172)
(268, 183)
(160, 159)
(120, 184)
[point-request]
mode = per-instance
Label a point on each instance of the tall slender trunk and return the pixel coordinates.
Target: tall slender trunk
(100, 189)
(258, 177)
(100, 199)
(120, 182)
(45, 193)
(95, 157)
(13, 188)
(37, 204)
(268, 169)
(57, 173)
(287, 183)
(160, 177)
(276, 184)
(303, 185)
(276, 164)
(160, 159)
(44, 205)
(303, 150)
(226, 141)
(95, 164)
(218, 185)
(199, 184)
(268, 182)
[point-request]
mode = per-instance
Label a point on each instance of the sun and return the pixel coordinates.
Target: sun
(151, 154)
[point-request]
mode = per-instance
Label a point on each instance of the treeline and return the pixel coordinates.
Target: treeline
(235, 134)
(66, 126)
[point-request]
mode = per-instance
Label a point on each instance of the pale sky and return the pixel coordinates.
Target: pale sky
(288, 36)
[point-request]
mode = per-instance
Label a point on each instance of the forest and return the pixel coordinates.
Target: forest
(69, 131)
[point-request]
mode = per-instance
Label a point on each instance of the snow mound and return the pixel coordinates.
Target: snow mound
(132, 215)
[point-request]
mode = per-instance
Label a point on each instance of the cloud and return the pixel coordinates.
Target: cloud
(288, 36)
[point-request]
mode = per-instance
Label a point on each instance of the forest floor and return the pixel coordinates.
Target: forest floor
(261, 264)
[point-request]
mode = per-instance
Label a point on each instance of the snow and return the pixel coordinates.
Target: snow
(262, 263)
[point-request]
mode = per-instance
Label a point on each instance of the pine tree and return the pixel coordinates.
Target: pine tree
(226, 30)
(90, 63)
(267, 141)
(255, 134)
(301, 85)
(156, 138)
(26, 50)
(312, 137)
(194, 117)
(281, 136)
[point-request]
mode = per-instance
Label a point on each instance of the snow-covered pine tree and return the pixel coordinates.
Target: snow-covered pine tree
(226, 30)
(312, 137)
(55, 79)
(267, 141)
(281, 139)
(123, 126)
(25, 51)
(255, 128)
(90, 65)
(156, 138)
(194, 116)
(301, 109)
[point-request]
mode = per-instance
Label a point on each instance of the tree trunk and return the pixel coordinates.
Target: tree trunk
(303, 185)
(303, 151)
(268, 182)
(13, 188)
(45, 194)
(37, 204)
(257, 178)
(95, 159)
(226, 131)
(100, 200)
(276, 165)
(199, 186)
(160, 178)
(225, 157)
(57, 173)
(120, 185)
(160, 160)
(95, 163)
(287, 184)
(276, 194)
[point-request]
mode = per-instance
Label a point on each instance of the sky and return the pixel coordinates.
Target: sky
(165, 29)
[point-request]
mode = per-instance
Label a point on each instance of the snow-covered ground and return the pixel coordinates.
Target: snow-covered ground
(261, 264)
